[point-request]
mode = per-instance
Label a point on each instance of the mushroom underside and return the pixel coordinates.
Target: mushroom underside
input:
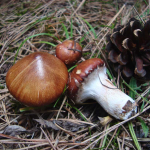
(98, 87)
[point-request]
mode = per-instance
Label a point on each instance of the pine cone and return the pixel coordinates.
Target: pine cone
(129, 49)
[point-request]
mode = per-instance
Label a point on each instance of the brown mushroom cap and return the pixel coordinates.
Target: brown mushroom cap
(38, 79)
(79, 73)
(69, 52)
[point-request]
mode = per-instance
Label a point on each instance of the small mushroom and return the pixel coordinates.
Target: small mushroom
(38, 79)
(69, 52)
(89, 81)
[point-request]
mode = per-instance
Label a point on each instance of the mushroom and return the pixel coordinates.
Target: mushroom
(69, 52)
(89, 81)
(38, 79)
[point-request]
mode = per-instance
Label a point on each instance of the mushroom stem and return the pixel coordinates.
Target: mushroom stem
(97, 86)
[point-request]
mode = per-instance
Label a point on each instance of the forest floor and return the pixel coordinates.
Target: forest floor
(27, 26)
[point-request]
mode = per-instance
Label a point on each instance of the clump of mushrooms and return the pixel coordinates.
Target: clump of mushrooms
(38, 79)
(89, 81)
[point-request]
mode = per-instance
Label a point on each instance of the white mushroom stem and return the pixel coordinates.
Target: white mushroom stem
(97, 86)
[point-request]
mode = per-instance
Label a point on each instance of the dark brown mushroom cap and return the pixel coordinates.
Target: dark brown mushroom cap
(69, 52)
(79, 73)
(38, 79)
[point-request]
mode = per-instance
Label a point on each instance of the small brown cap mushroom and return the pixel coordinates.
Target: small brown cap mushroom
(90, 81)
(38, 79)
(69, 52)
